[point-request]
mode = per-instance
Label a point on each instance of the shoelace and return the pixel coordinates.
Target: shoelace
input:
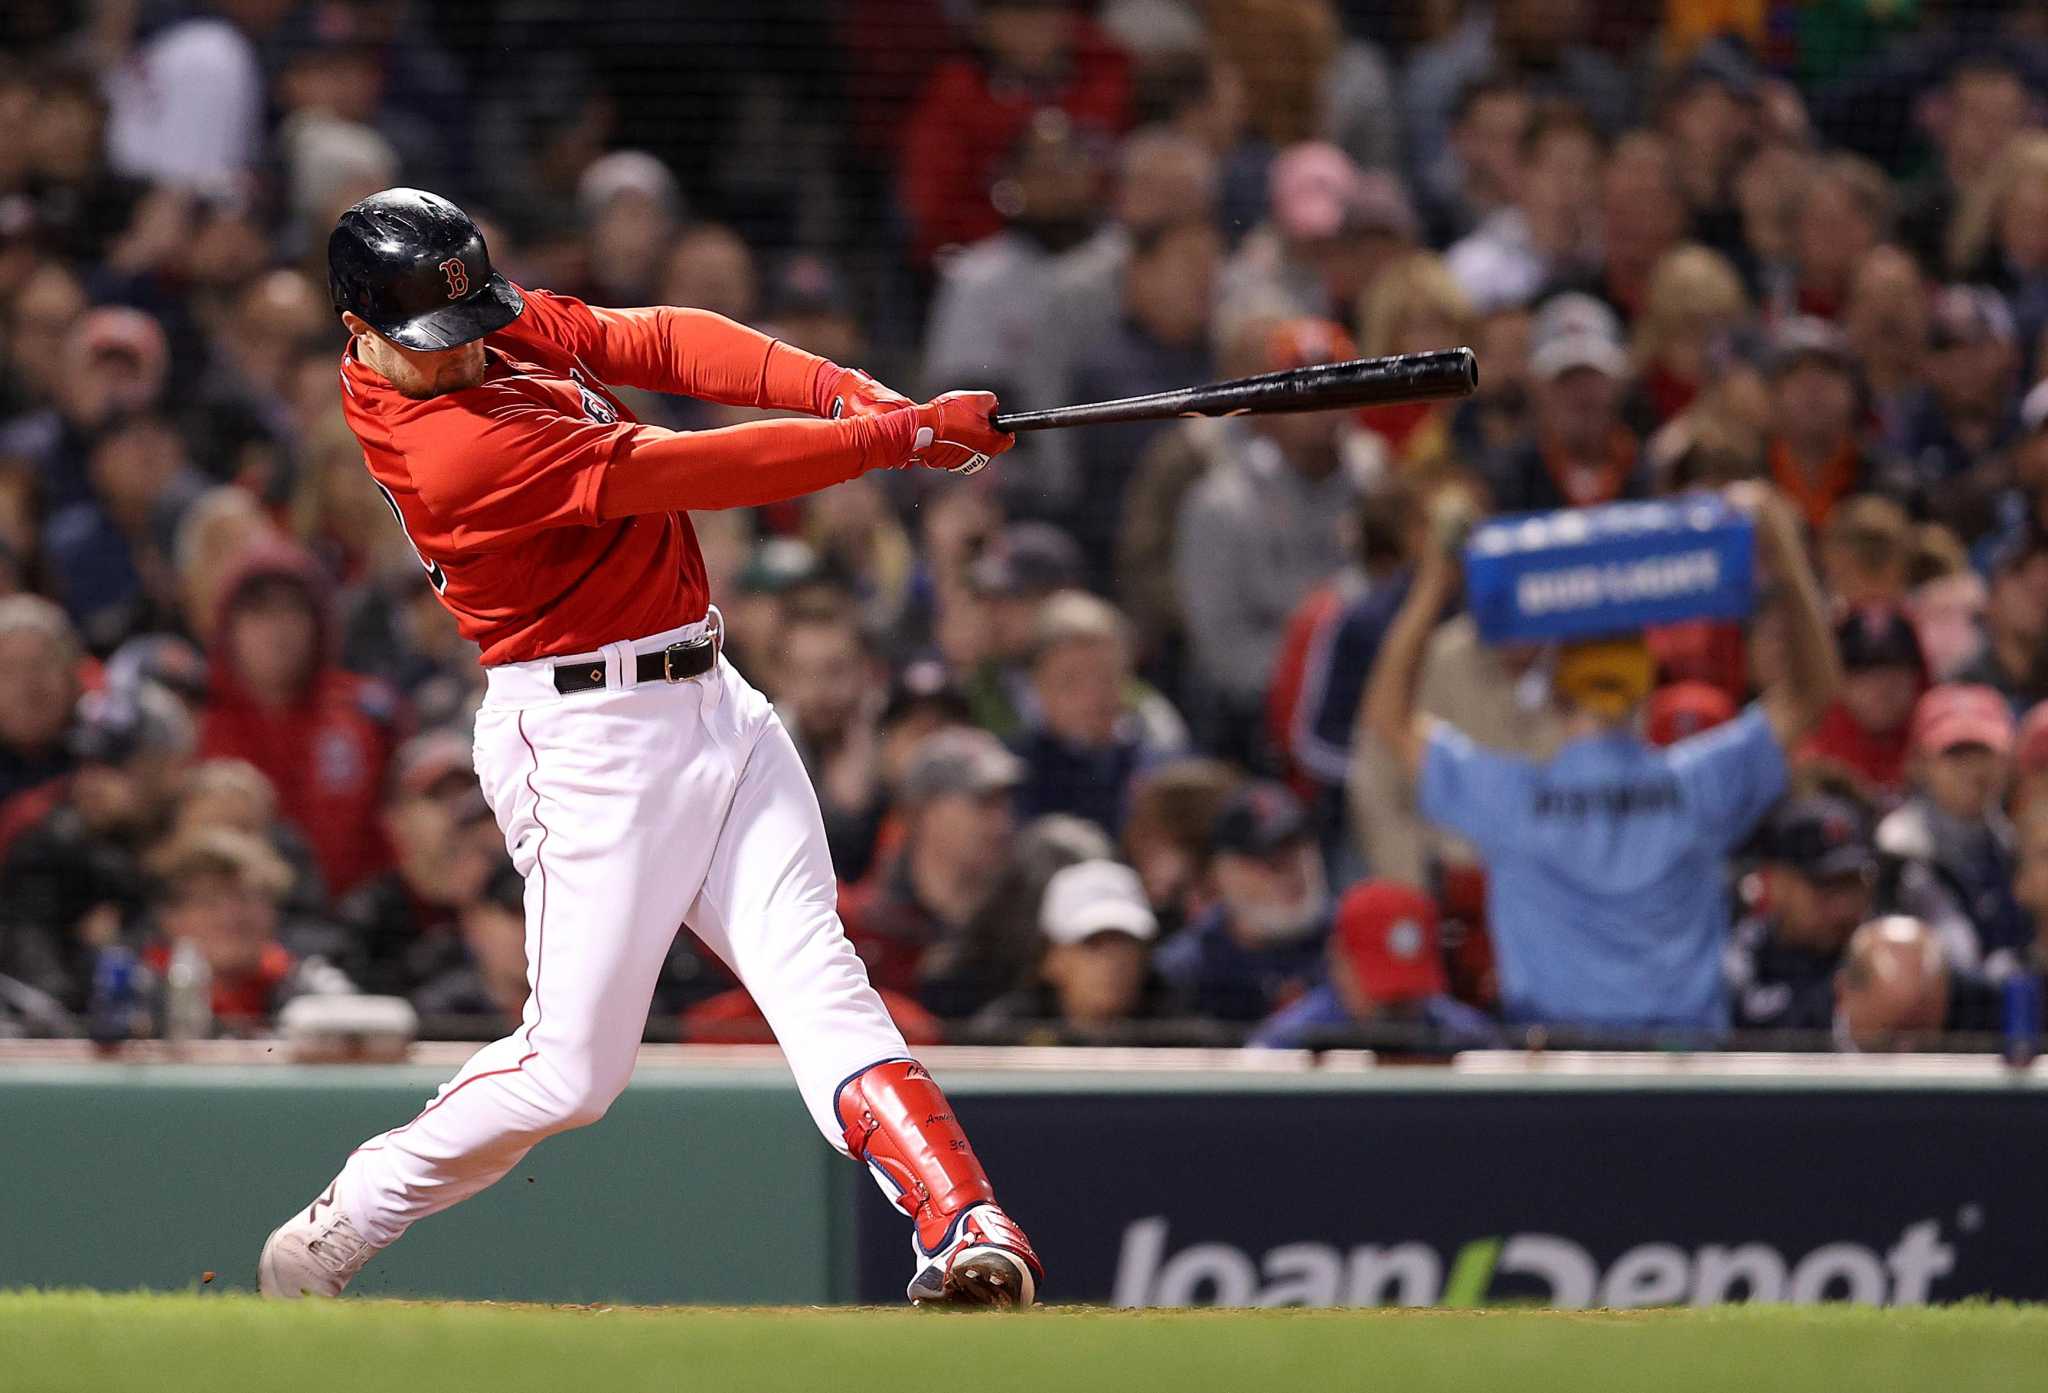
(339, 1247)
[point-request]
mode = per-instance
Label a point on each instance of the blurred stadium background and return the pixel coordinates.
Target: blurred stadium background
(1115, 836)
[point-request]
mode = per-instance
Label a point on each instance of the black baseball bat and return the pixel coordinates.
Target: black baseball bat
(1453, 372)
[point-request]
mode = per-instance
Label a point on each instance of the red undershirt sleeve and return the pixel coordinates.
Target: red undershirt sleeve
(694, 353)
(748, 465)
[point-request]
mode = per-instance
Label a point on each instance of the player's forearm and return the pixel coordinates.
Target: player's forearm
(700, 354)
(749, 465)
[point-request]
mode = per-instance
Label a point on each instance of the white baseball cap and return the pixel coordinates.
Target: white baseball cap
(1092, 897)
(2034, 409)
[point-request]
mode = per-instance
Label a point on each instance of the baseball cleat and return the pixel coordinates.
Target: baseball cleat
(985, 1260)
(316, 1252)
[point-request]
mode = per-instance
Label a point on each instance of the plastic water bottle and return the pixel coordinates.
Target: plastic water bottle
(110, 1018)
(2022, 1018)
(188, 995)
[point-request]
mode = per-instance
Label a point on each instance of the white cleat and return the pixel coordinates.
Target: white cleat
(985, 1260)
(316, 1252)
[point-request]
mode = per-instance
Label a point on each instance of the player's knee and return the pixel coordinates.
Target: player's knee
(579, 1098)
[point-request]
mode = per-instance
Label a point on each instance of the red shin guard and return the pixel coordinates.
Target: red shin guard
(898, 1121)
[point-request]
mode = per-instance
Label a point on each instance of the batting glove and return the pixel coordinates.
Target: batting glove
(851, 392)
(954, 433)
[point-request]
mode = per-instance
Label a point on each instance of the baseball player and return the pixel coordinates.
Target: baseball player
(639, 781)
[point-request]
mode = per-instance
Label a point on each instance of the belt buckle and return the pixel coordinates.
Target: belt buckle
(668, 657)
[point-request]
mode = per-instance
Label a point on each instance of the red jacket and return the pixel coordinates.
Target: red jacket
(326, 752)
(967, 123)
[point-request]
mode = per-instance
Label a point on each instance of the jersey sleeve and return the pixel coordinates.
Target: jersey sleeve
(691, 352)
(508, 468)
(1469, 789)
(1731, 775)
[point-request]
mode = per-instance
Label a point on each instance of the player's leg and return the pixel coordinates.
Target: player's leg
(594, 801)
(768, 907)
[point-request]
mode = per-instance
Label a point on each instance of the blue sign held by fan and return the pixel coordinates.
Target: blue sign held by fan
(1621, 567)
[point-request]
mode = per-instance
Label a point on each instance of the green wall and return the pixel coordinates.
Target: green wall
(696, 1187)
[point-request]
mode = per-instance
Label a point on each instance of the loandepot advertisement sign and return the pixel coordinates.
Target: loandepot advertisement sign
(1452, 1196)
(1150, 1272)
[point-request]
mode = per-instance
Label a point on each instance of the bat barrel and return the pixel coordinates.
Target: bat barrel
(1359, 382)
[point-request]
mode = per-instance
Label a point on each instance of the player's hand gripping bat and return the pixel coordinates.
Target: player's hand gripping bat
(1454, 372)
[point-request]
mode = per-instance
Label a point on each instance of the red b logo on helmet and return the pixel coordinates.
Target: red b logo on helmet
(458, 277)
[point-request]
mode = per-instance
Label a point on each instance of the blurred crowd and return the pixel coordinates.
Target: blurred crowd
(1091, 731)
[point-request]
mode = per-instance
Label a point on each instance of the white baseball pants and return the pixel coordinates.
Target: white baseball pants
(631, 811)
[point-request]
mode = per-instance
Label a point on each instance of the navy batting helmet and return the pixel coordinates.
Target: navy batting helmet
(415, 267)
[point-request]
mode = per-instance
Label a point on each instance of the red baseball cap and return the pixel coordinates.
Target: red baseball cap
(1958, 713)
(1387, 932)
(1680, 710)
(2032, 742)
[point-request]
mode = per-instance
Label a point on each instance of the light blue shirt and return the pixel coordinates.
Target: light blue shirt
(1606, 878)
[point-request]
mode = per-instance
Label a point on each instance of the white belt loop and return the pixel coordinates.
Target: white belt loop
(622, 668)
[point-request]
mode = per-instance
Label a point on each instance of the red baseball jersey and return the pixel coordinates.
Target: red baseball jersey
(503, 487)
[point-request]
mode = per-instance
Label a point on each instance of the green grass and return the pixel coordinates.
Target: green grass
(61, 1341)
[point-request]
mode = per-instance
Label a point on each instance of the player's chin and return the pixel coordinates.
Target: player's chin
(464, 367)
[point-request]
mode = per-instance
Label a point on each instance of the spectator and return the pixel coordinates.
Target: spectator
(1605, 864)
(81, 205)
(1980, 107)
(1892, 992)
(1165, 179)
(1098, 933)
(958, 822)
(710, 268)
(403, 922)
(1331, 229)
(2015, 625)
(1541, 41)
(829, 691)
(1950, 844)
(1710, 113)
(990, 321)
(1887, 323)
(113, 363)
(321, 735)
(1319, 676)
(40, 317)
(1998, 237)
(1260, 530)
(221, 891)
(1031, 56)
(1386, 979)
(1161, 342)
(1643, 216)
(1866, 553)
(1579, 451)
(1304, 79)
(630, 208)
(1415, 306)
(1680, 710)
(106, 557)
(39, 657)
(1087, 738)
(2030, 760)
(1173, 811)
(187, 109)
(74, 872)
(487, 974)
(1840, 211)
(1550, 234)
(1005, 588)
(1693, 301)
(213, 537)
(233, 793)
(1478, 177)
(1260, 945)
(1816, 877)
(1864, 736)
(1816, 458)
(1966, 412)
